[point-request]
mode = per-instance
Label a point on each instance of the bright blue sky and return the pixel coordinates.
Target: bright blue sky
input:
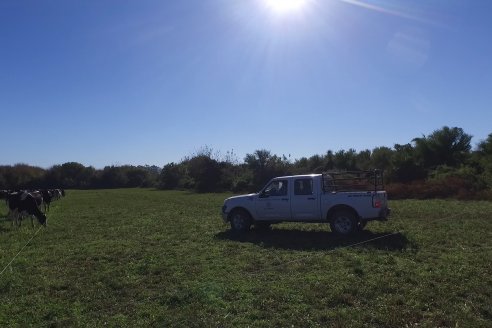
(149, 82)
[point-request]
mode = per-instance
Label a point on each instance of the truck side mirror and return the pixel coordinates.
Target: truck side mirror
(264, 194)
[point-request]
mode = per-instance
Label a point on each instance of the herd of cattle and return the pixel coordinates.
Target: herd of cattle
(32, 203)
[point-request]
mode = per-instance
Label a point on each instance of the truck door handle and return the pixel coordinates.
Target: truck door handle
(311, 198)
(285, 199)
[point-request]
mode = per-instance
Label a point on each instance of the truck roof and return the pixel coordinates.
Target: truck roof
(298, 176)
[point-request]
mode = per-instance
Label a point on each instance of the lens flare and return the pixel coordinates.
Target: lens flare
(285, 6)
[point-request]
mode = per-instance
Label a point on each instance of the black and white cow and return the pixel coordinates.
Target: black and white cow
(47, 198)
(59, 193)
(22, 204)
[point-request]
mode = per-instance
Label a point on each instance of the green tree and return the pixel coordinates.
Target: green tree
(301, 165)
(405, 167)
(69, 175)
(137, 177)
(485, 146)
(265, 166)
(170, 176)
(113, 177)
(363, 160)
(446, 146)
(329, 161)
(20, 176)
(345, 160)
(381, 158)
(315, 164)
(483, 159)
(205, 172)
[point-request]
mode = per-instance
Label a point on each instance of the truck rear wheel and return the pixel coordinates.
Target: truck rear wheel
(343, 222)
(240, 221)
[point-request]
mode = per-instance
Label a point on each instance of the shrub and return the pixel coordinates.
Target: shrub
(448, 187)
(205, 172)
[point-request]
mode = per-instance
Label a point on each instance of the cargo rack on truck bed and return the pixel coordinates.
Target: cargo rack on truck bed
(334, 181)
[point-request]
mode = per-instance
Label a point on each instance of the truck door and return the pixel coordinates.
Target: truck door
(305, 200)
(273, 203)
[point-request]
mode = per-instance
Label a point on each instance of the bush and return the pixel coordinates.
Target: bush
(241, 186)
(170, 176)
(205, 172)
(449, 187)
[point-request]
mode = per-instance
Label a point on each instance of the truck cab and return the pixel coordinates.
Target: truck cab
(347, 203)
(289, 199)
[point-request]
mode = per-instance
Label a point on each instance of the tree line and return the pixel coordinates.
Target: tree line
(74, 175)
(441, 164)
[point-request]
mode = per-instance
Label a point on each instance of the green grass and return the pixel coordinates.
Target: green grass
(155, 258)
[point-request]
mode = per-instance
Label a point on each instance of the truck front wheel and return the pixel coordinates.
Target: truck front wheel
(240, 221)
(343, 222)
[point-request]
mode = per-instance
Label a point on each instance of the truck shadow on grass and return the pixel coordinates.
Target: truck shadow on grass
(320, 240)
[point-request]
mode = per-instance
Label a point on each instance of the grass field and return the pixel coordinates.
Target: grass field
(155, 258)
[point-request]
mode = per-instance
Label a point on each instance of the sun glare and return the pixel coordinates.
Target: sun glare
(285, 6)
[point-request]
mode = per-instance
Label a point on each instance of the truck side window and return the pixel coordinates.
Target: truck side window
(277, 188)
(303, 187)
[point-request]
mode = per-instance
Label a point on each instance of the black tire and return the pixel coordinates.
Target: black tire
(240, 221)
(344, 223)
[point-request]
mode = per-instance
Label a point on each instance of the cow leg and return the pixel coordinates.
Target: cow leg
(10, 216)
(23, 214)
(14, 215)
(20, 218)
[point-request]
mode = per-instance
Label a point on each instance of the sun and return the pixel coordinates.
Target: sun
(285, 6)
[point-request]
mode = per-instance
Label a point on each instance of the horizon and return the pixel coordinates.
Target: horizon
(150, 83)
(219, 156)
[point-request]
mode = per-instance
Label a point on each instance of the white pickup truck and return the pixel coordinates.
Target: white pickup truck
(345, 200)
